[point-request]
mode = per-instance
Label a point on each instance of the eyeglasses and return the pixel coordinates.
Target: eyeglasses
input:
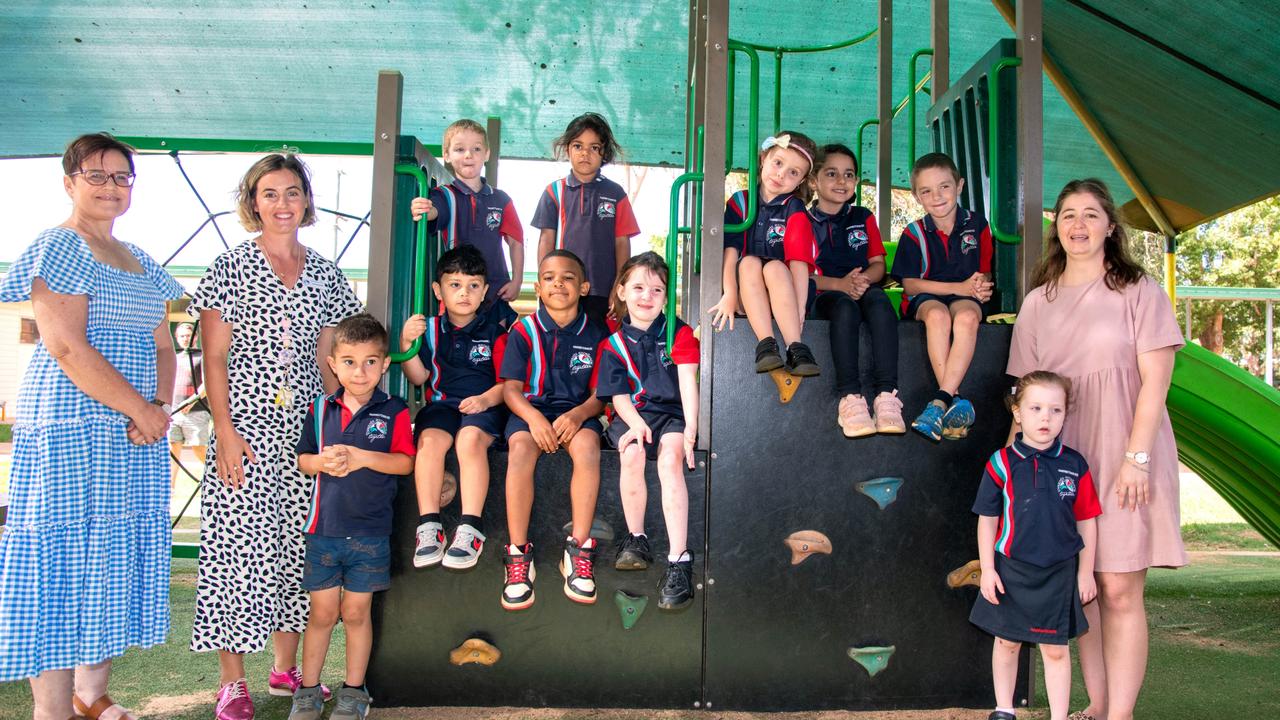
(100, 177)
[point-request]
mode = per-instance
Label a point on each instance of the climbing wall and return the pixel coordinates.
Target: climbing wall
(556, 653)
(829, 557)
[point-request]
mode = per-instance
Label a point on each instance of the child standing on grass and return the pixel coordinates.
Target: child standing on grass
(1036, 506)
(850, 267)
(469, 211)
(944, 266)
(654, 390)
(356, 443)
(587, 213)
(465, 409)
(766, 268)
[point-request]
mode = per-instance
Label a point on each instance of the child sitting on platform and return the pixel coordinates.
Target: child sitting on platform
(549, 367)
(464, 408)
(469, 211)
(654, 390)
(850, 267)
(766, 268)
(1036, 540)
(587, 213)
(355, 442)
(944, 265)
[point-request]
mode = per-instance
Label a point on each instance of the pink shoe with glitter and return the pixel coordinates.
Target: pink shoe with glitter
(285, 684)
(234, 702)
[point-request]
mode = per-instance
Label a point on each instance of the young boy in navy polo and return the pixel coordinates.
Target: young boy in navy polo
(356, 443)
(464, 408)
(587, 213)
(469, 211)
(549, 367)
(1036, 506)
(944, 266)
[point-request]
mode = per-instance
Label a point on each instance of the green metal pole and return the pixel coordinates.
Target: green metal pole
(777, 91)
(993, 148)
(422, 260)
(673, 249)
(732, 61)
(753, 135)
(866, 124)
(810, 48)
(911, 103)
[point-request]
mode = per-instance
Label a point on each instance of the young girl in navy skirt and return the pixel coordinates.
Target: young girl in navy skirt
(1036, 506)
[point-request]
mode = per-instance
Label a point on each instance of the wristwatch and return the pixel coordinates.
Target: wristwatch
(166, 407)
(1140, 458)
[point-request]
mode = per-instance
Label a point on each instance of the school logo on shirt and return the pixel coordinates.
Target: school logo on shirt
(857, 238)
(776, 232)
(580, 361)
(481, 352)
(968, 242)
(607, 208)
(376, 430)
(1066, 486)
(493, 218)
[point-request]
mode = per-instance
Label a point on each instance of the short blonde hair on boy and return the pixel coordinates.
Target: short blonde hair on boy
(463, 125)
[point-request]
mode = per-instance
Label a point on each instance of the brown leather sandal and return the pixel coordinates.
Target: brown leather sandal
(94, 711)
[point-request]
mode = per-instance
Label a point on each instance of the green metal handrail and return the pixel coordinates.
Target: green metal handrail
(753, 135)
(897, 110)
(420, 261)
(809, 48)
(673, 249)
(993, 148)
(911, 102)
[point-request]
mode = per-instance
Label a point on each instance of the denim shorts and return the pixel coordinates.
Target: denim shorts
(357, 564)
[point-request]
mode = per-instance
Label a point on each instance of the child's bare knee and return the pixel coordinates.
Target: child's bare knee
(1009, 646)
(934, 314)
(323, 616)
(473, 441)
(1054, 653)
(434, 441)
(633, 457)
(967, 319)
(585, 446)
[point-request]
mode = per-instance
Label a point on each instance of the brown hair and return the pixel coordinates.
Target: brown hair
(357, 329)
(610, 149)
(1038, 377)
(807, 147)
(1121, 270)
(650, 261)
(940, 161)
(248, 189)
(86, 146)
(463, 125)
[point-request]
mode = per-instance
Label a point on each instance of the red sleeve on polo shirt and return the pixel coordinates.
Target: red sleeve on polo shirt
(984, 249)
(684, 350)
(875, 245)
(595, 368)
(624, 222)
(402, 434)
(1086, 505)
(516, 350)
(511, 226)
(798, 242)
(499, 349)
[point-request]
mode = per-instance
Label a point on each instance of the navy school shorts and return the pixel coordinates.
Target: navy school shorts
(914, 306)
(516, 424)
(660, 424)
(439, 416)
(355, 564)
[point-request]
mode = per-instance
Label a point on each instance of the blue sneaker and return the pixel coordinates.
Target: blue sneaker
(958, 419)
(352, 704)
(929, 423)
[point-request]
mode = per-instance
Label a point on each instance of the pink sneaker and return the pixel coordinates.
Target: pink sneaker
(285, 684)
(854, 418)
(889, 414)
(234, 702)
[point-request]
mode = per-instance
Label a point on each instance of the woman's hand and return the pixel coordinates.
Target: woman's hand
(724, 311)
(148, 425)
(1132, 486)
(232, 452)
(991, 583)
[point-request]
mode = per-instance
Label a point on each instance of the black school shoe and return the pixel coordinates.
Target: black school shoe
(767, 355)
(676, 590)
(1001, 715)
(800, 361)
(634, 553)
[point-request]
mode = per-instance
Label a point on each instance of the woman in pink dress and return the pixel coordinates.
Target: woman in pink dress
(1098, 319)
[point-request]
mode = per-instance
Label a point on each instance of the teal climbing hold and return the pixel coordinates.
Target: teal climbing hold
(872, 659)
(630, 607)
(883, 490)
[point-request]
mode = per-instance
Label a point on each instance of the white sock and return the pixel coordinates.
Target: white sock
(677, 558)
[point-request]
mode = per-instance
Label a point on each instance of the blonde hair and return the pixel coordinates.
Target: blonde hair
(1038, 377)
(460, 126)
(248, 190)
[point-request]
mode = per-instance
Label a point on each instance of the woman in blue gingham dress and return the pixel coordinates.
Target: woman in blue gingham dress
(84, 558)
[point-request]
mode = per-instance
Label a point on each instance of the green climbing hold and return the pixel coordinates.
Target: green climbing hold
(883, 490)
(872, 659)
(631, 607)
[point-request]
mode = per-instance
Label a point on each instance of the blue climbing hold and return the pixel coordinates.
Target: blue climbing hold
(883, 490)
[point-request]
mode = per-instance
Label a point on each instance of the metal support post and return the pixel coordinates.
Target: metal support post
(386, 133)
(940, 40)
(494, 131)
(715, 17)
(1187, 318)
(1171, 268)
(884, 111)
(1271, 349)
(1030, 140)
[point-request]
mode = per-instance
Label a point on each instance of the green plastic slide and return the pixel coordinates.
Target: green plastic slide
(1227, 424)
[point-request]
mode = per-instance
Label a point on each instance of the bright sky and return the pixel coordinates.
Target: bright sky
(165, 212)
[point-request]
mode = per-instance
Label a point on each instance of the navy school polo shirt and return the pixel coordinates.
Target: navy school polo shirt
(782, 230)
(1039, 495)
(588, 219)
(358, 505)
(557, 365)
(636, 362)
(846, 240)
(479, 219)
(461, 359)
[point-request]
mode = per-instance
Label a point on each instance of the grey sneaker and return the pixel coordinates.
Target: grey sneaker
(308, 704)
(351, 704)
(465, 550)
(429, 548)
